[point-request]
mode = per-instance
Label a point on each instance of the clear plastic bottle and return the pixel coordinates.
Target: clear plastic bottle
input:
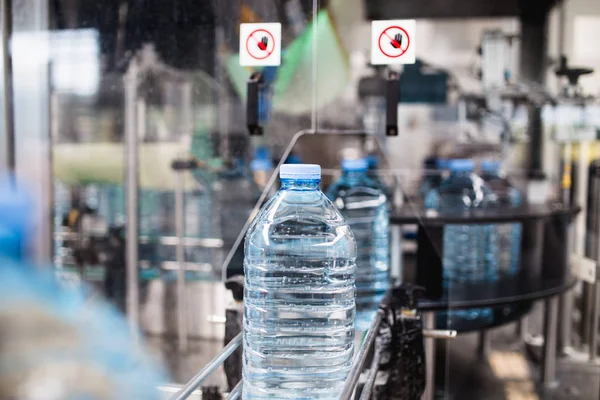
(262, 168)
(373, 173)
(509, 235)
(464, 246)
(364, 205)
(299, 300)
(16, 225)
(433, 179)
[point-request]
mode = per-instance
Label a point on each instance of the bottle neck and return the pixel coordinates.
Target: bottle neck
(491, 173)
(354, 176)
(461, 173)
(300, 184)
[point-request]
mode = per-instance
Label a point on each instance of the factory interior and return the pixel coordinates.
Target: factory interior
(149, 149)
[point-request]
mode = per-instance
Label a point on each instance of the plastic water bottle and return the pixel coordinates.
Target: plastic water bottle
(364, 205)
(464, 246)
(299, 301)
(16, 222)
(372, 173)
(262, 168)
(433, 179)
(509, 235)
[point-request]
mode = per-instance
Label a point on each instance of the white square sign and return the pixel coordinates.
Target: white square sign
(393, 42)
(260, 44)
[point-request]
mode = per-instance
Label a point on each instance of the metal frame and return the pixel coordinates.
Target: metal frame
(348, 392)
(146, 61)
(349, 387)
(7, 149)
(550, 335)
(429, 323)
(211, 367)
(30, 108)
(131, 190)
(182, 332)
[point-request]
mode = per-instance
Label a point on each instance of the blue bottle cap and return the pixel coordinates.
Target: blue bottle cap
(261, 153)
(15, 206)
(300, 171)
(461, 165)
(489, 165)
(359, 164)
(261, 165)
(293, 159)
(16, 209)
(373, 161)
(442, 163)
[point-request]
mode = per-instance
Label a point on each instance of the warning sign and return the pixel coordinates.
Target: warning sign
(393, 42)
(260, 44)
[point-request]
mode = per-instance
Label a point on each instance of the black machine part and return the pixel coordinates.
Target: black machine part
(211, 393)
(401, 347)
(253, 87)
(392, 97)
(233, 326)
(236, 285)
(572, 74)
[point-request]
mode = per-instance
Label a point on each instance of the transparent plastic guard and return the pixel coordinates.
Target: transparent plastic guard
(327, 148)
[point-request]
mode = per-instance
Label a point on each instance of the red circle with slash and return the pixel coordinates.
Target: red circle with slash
(255, 44)
(391, 38)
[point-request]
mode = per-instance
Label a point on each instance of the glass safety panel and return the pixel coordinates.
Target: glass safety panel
(154, 174)
(155, 180)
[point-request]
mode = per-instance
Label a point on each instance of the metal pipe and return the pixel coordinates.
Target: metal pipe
(236, 392)
(396, 254)
(595, 307)
(594, 325)
(550, 332)
(131, 182)
(211, 367)
(484, 343)
(209, 243)
(315, 64)
(561, 27)
(523, 327)
(429, 323)
(180, 256)
(444, 334)
(566, 300)
(533, 68)
(576, 243)
(566, 305)
(360, 358)
(588, 294)
(8, 158)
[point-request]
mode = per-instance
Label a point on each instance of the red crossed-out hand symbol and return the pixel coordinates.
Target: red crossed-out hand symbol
(397, 41)
(263, 43)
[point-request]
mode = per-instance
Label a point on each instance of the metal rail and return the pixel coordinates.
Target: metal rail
(236, 393)
(211, 367)
(361, 357)
(8, 127)
(132, 109)
(210, 243)
(370, 383)
(353, 375)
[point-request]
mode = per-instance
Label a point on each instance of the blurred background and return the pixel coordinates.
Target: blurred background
(125, 121)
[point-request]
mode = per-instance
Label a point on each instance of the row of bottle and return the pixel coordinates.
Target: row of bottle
(311, 262)
(57, 332)
(475, 253)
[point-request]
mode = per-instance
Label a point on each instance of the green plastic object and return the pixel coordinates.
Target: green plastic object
(294, 85)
